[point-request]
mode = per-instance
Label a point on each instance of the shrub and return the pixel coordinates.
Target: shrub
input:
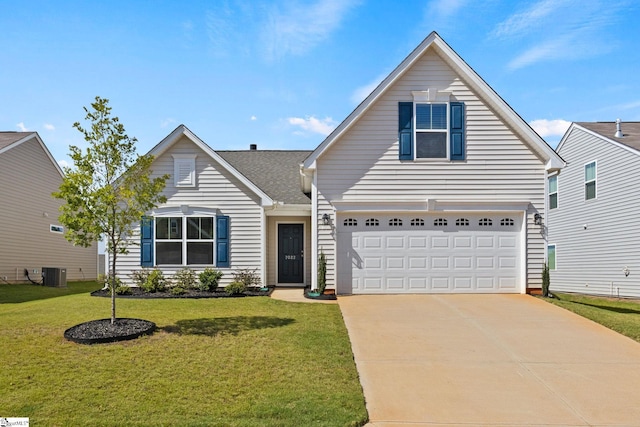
(235, 288)
(178, 290)
(209, 279)
(121, 289)
(185, 278)
(139, 277)
(155, 282)
(322, 272)
(546, 279)
(247, 277)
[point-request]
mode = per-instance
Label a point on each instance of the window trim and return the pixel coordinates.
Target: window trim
(446, 130)
(555, 256)
(555, 193)
(184, 240)
(594, 180)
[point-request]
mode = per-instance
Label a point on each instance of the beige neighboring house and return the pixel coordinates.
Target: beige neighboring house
(31, 236)
(433, 184)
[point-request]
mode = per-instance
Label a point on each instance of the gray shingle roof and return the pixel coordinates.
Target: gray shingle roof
(277, 173)
(8, 138)
(630, 130)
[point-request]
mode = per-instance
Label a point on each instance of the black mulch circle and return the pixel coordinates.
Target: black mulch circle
(102, 331)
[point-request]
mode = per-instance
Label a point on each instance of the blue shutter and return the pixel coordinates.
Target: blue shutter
(222, 241)
(405, 130)
(456, 131)
(146, 242)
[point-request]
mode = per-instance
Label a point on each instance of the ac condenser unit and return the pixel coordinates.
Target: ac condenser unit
(54, 277)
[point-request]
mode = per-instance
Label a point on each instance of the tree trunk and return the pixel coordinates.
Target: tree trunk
(113, 288)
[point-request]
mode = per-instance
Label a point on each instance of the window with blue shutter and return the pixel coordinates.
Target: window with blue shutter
(222, 241)
(146, 242)
(405, 130)
(456, 131)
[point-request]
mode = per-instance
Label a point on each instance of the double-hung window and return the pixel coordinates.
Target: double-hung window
(553, 192)
(431, 131)
(184, 240)
(590, 181)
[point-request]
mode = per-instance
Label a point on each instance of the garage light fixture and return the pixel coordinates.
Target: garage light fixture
(326, 220)
(537, 219)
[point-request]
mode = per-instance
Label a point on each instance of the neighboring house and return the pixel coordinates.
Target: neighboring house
(32, 237)
(431, 185)
(594, 234)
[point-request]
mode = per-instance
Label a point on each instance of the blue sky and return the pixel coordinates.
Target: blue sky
(282, 74)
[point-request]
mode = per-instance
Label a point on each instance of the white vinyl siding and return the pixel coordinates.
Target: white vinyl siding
(27, 179)
(599, 237)
(217, 190)
(364, 165)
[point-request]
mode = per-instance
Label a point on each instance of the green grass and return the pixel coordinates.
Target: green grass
(622, 316)
(218, 362)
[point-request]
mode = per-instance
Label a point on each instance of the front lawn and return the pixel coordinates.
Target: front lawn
(212, 362)
(622, 316)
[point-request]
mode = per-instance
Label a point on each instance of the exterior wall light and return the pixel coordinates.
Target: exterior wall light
(326, 220)
(537, 219)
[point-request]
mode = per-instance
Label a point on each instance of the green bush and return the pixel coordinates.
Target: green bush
(121, 289)
(139, 277)
(185, 278)
(178, 290)
(155, 282)
(247, 277)
(235, 288)
(209, 279)
(546, 280)
(322, 272)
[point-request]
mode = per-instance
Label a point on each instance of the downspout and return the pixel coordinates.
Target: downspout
(263, 248)
(314, 232)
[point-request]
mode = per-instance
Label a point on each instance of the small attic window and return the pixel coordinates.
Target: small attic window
(184, 170)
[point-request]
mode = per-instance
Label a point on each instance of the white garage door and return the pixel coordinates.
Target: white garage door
(452, 253)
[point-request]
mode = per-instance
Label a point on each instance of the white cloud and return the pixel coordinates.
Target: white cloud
(298, 28)
(49, 126)
(545, 128)
(443, 9)
(362, 92)
(253, 118)
(560, 30)
(312, 124)
(166, 122)
(63, 164)
(21, 127)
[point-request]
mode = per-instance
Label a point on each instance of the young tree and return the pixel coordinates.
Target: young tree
(109, 188)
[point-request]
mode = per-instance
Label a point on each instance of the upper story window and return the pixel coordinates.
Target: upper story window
(431, 131)
(553, 192)
(551, 257)
(350, 222)
(372, 222)
(431, 127)
(590, 181)
(184, 170)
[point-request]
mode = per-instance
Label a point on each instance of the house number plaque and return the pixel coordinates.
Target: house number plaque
(290, 257)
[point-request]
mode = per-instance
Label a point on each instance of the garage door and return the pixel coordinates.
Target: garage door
(453, 253)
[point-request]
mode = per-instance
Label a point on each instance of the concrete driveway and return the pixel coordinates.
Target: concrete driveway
(487, 360)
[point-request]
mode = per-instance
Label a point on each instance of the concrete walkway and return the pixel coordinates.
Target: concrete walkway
(489, 360)
(296, 295)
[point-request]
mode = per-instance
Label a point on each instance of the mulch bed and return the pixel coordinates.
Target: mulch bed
(191, 293)
(329, 295)
(102, 331)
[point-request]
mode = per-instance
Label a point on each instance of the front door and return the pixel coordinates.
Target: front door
(290, 253)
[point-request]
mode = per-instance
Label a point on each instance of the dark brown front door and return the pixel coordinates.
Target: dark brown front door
(290, 253)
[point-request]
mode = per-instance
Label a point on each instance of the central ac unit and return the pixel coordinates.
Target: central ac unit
(54, 276)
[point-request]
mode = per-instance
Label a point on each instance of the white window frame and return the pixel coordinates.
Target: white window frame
(184, 240)
(555, 192)
(182, 162)
(431, 97)
(594, 180)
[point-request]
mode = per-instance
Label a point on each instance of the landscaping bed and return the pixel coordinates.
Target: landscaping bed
(136, 292)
